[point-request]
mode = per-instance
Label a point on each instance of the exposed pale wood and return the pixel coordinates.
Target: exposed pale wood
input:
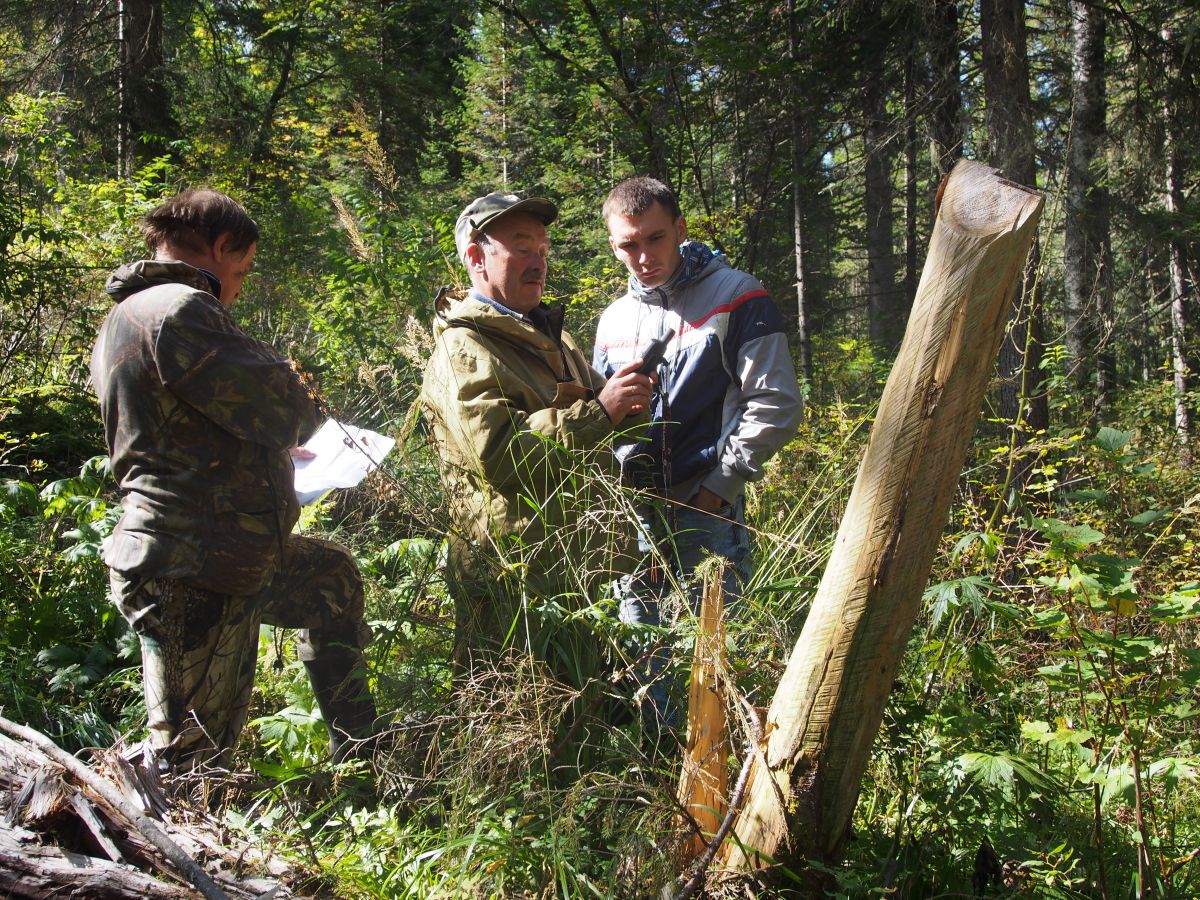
(151, 830)
(703, 780)
(696, 881)
(47, 796)
(827, 710)
(31, 869)
(88, 816)
(42, 797)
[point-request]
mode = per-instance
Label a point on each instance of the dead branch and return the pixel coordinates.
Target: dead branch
(147, 828)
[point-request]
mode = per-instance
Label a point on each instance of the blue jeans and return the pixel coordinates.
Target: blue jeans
(696, 535)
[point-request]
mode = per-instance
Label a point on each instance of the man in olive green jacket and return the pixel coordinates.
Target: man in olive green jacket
(523, 426)
(199, 418)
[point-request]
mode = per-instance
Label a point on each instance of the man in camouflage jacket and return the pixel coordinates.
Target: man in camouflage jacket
(199, 418)
(522, 425)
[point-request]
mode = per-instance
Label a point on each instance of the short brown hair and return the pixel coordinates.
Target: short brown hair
(634, 196)
(196, 218)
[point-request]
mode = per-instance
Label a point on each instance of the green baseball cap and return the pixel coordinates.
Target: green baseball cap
(483, 211)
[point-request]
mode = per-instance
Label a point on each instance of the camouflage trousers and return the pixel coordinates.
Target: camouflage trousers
(199, 648)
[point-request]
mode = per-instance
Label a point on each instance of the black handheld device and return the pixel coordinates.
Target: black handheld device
(654, 353)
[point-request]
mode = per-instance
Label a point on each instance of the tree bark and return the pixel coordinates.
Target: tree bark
(823, 719)
(1181, 319)
(30, 868)
(884, 299)
(910, 184)
(266, 125)
(799, 181)
(945, 128)
(48, 797)
(69, 20)
(1023, 403)
(1087, 251)
(147, 126)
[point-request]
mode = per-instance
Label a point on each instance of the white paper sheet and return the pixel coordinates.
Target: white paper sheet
(345, 454)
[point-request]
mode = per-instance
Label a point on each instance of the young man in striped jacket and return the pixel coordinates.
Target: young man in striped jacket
(728, 397)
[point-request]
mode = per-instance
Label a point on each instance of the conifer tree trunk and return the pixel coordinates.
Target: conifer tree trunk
(910, 184)
(884, 300)
(69, 19)
(823, 719)
(1011, 150)
(945, 129)
(147, 125)
(1182, 326)
(799, 152)
(1087, 252)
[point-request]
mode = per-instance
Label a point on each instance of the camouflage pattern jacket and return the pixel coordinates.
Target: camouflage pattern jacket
(199, 417)
(524, 449)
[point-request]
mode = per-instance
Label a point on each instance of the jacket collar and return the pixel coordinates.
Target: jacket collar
(133, 277)
(698, 261)
(542, 327)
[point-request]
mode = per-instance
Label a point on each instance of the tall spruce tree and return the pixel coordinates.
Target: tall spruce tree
(1087, 251)
(1010, 142)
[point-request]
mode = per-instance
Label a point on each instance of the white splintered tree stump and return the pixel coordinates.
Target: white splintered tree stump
(828, 707)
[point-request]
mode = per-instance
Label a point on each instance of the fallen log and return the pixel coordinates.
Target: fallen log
(823, 719)
(69, 821)
(185, 865)
(31, 868)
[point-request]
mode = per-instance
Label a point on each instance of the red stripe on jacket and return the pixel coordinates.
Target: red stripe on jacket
(692, 326)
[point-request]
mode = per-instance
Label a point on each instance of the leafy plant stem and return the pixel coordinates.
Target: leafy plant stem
(1098, 833)
(1143, 850)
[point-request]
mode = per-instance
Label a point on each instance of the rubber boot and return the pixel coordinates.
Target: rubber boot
(344, 698)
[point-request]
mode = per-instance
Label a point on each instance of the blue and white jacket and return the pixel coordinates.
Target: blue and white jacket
(728, 397)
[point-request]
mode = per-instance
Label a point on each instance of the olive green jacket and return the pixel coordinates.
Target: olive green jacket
(524, 449)
(199, 417)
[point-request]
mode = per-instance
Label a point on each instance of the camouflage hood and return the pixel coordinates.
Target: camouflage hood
(198, 417)
(146, 273)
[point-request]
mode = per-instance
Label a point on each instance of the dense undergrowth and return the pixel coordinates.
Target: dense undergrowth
(1042, 728)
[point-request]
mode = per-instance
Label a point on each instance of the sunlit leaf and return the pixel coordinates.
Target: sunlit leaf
(1111, 439)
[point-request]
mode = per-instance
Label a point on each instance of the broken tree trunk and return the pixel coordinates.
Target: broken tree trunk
(829, 704)
(703, 782)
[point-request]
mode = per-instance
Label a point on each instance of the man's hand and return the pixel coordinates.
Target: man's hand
(626, 393)
(706, 501)
(301, 453)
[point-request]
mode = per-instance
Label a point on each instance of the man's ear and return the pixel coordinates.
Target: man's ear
(220, 247)
(681, 227)
(474, 256)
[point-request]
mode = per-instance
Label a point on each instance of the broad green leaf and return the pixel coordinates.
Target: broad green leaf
(1117, 783)
(280, 772)
(1050, 619)
(1067, 536)
(1061, 737)
(1179, 606)
(19, 494)
(991, 769)
(1145, 518)
(1111, 439)
(1173, 769)
(1123, 606)
(998, 770)
(1037, 731)
(1087, 494)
